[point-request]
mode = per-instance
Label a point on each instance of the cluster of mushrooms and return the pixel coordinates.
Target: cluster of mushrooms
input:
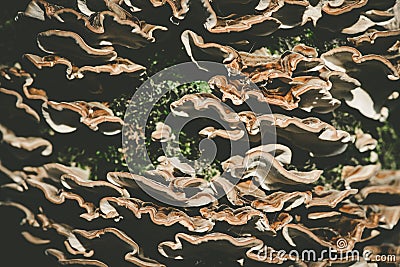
(81, 54)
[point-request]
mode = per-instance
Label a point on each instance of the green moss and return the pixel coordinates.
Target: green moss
(346, 119)
(187, 143)
(98, 162)
(321, 41)
(332, 178)
(388, 147)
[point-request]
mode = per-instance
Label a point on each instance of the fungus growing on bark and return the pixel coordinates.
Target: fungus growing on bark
(305, 189)
(25, 143)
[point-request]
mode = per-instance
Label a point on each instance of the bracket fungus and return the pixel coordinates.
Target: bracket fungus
(26, 143)
(319, 168)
